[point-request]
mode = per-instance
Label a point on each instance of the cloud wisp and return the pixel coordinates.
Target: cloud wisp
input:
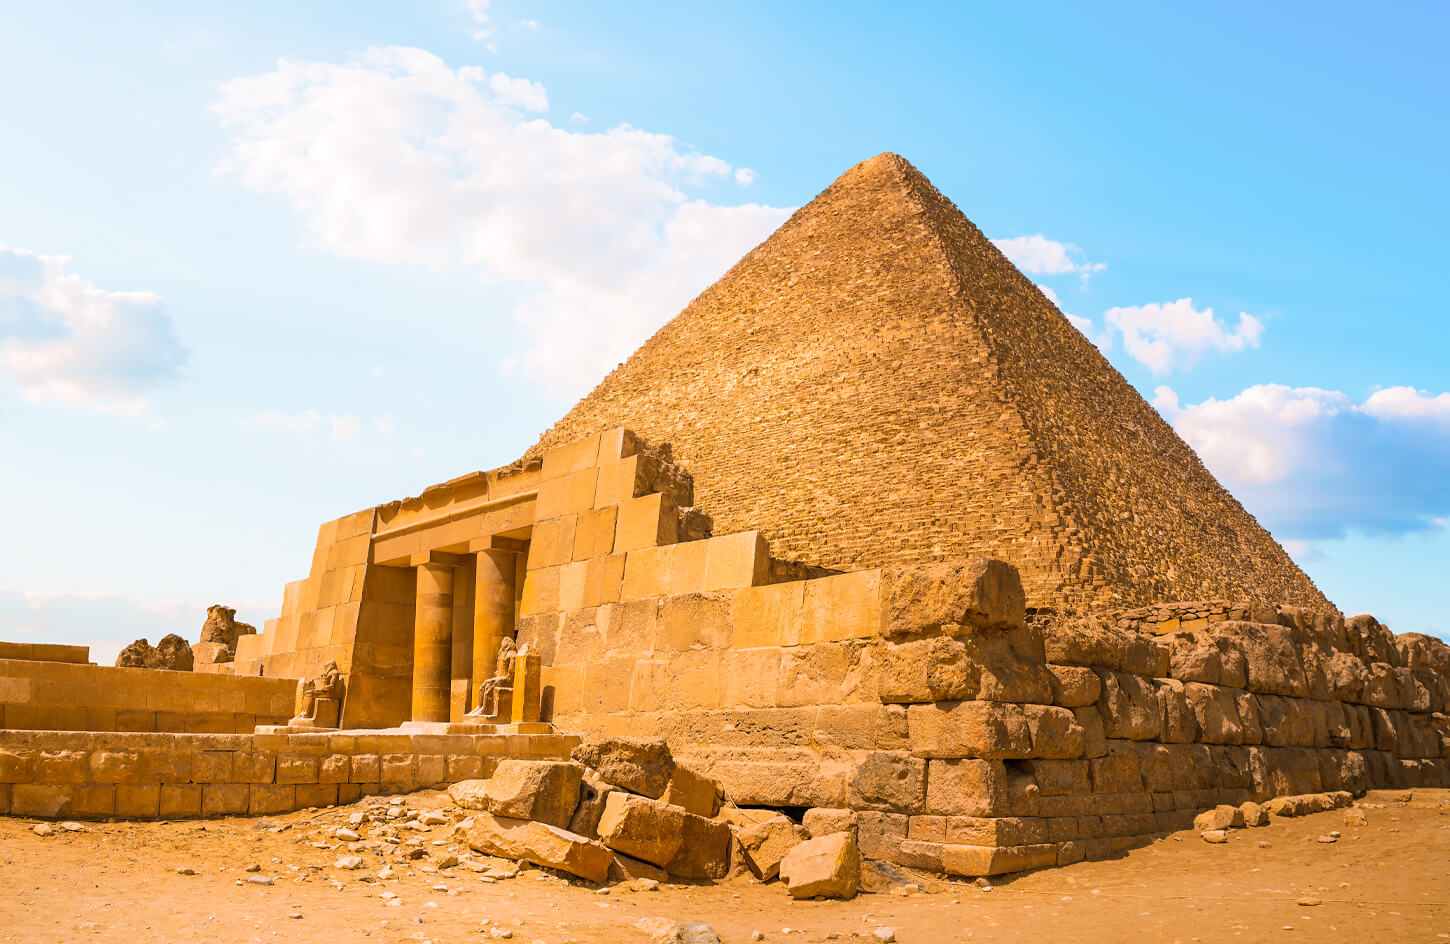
(1163, 336)
(396, 157)
(343, 428)
(62, 339)
(1038, 255)
(1314, 464)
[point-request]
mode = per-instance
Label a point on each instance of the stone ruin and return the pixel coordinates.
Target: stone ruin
(172, 652)
(869, 541)
(219, 635)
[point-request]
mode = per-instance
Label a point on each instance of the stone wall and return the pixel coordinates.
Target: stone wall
(876, 384)
(67, 696)
(175, 776)
(976, 747)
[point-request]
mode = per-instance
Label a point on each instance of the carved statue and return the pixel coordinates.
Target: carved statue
(324, 691)
(489, 703)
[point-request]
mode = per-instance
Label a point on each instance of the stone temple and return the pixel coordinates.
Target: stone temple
(868, 533)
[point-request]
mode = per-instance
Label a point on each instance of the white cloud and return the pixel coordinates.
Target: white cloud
(1407, 402)
(1038, 255)
(396, 157)
(344, 428)
(482, 27)
(1312, 463)
(578, 116)
(1165, 335)
(744, 176)
(521, 92)
(64, 339)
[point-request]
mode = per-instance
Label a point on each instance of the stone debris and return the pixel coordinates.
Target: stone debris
(827, 867)
(219, 634)
(666, 931)
(540, 790)
(1254, 814)
(541, 844)
(692, 792)
(764, 845)
(884, 935)
(1219, 818)
(1214, 835)
(172, 652)
(1355, 816)
(639, 765)
(43, 829)
(261, 880)
(349, 862)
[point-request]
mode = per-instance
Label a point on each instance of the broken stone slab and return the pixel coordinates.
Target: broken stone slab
(1254, 813)
(1222, 816)
(593, 793)
(828, 867)
(764, 845)
(884, 878)
(470, 794)
(627, 869)
(543, 790)
(639, 765)
(979, 593)
(693, 792)
(743, 816)
(704, 851)
(540, 844)
(642, 828)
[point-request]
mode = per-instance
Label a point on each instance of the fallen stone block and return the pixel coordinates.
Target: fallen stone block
(884, 878)
(470, 794)
(1220, 817)
(704, 849)
(540, 844)
(1214, 835)
(750, 816)
(667, 931)
(828, 867)
(822, 821)
(627, 869)
(643, 828)
(593, 793)
(693, 792)
(765, 844)
(543, 790)
(1254, 813)
(639, 765)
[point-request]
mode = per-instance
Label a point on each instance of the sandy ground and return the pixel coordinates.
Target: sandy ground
(1387, 881)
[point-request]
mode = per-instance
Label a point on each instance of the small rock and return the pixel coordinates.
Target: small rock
(1263, 844)
(349, 862)
(1354, 816)
(345, 834)
(433, 818)
(501, 934)
(1328, 839)
(1214, 835)
(447, 861)
(43, 829)
(186, 870)
(294, 914)
(884, 935)
(254, 867)
(644, 885)
(260, 879)
(757, 935)
(72, 827)
(1309, 902)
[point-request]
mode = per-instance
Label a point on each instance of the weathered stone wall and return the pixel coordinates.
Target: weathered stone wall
(174, 776)
(66, 696)
(980, 750)
(876, 384)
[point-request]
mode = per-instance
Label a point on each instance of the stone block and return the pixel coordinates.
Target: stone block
(593, 794)
(880, 835)
(969, 729)
(889, 781)
(828, 867)
(566, 495)
(594, 533)
(41, 800)
(1222, 816)
(268, 798)
(225, 799)
(545, 791)
(822, 821)
(704, 852)
(1074, 686)
(295, 768)
(642, 828)
(138, 800)
(179, 801)
(979, 593)
(1055, 731)
(692, 792)
(734, 561)
(539, 843)
(1129, 706)
(966, 787)
(1083, 641)
(574, 457)
(769, 615)
(694, 620)
(645, 522)
(639, 765)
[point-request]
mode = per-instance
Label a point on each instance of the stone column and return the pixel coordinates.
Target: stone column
(432, 641)
(493, 609)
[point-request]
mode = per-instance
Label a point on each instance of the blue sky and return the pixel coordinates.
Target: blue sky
(266, 265)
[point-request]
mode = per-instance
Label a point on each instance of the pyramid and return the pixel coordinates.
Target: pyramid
(876, 383)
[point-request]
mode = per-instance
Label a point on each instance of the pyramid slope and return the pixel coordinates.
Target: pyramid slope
(876, 383)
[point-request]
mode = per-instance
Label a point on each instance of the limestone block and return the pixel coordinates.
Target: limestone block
(1222, 816)
(639, 765)
(1144, 655)
(880, 835)
(694, 620)
(1215, 712)
(736, 560)
(642, 828)
(546, 791)
(1083, 641)
(138, 800)
(593, 793)
(572, 457)
(1061, 777)
(625, 869)
(965, 787)
(1179, 725)
(539, 843)
(692, 792)
(823, 674)
(828, 867)
(922, 598)
(225, 799)
(973, 861)
(566, 495)
(769, 615)
(1055, 732)
(1074, 686)
(822, 821)
(862, 726)
(1254, 813)
(1117, 771)
(1129, 706)
(969, 729)
(1271, 658)
(840, 607)
(645, 522)
(890, 781)
(704, 851)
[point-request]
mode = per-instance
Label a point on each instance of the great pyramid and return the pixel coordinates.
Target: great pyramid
(876, 383)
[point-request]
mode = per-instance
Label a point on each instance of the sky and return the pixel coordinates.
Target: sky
(264, 265)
